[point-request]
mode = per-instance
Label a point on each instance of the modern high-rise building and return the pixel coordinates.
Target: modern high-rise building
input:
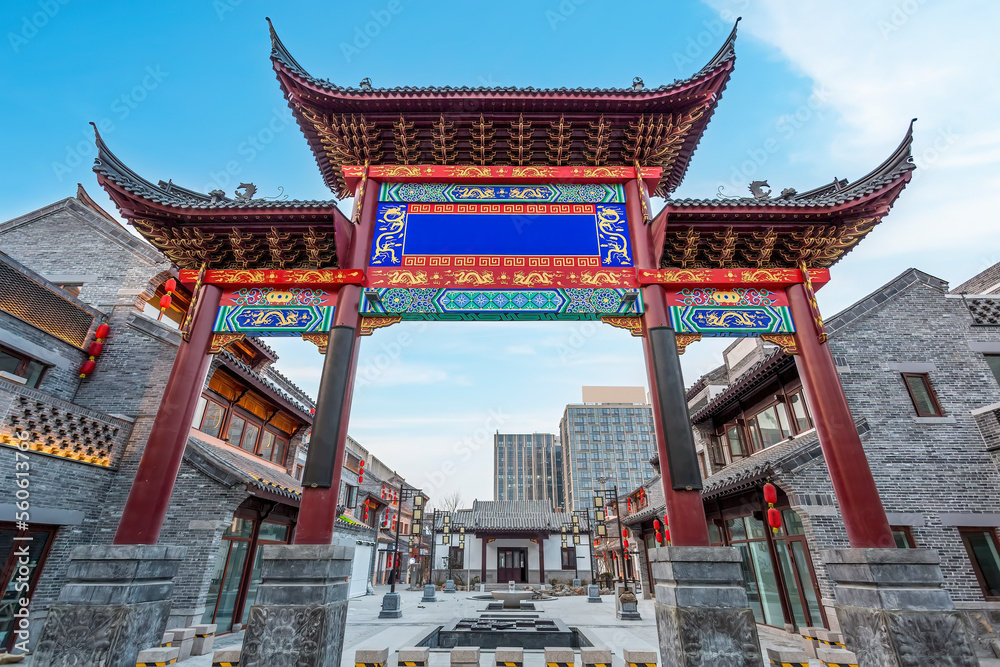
(527, 466)
(609, 434)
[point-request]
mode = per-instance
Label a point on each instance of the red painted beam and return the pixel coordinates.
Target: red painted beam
(438, 173)
(853, 483)
(149, 497)
(685, 511)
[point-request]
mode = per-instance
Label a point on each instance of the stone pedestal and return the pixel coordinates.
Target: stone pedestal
(449, 586)
(703, 617)
(627, 604)
(577, 583)
(430, 594)
(391, 606)
(114, 605)
(593, 593)
(301, 608)
(893, 610)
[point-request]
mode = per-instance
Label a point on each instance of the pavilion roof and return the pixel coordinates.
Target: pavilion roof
(818, 227)
(192, 228)
(503, 125)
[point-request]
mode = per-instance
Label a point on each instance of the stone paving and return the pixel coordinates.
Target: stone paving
(597, 621)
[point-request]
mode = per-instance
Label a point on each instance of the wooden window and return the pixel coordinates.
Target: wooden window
(21, 365)
(236, 426)
(457, 557)
(718, 455)
(904, 537)
(770, 425)
(799, 409)
(994, 361)
(280, 447)
(735, 440)
(984, 552)
(569, 558)
(298, 472)
(922, 395)
(701, 463)
(266, 445)
(211, 424)
(250, 437)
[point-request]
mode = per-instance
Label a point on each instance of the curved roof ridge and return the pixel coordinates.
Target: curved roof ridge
(725, 52)
(900, 160)
(107, 164)
(281, 54)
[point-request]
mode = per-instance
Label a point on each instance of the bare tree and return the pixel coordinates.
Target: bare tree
(451, 501)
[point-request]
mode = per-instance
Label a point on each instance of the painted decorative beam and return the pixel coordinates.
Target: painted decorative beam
(448, 173)
(270, 277)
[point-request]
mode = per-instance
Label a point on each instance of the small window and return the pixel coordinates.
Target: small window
(701, 464)
(22, 366)
(994, 361)
(984, 552)
(569, 558)
(718, 455)
(352, 494)
(735, 441)
(798, 404)
(922, 395)
(236, 425)
(250, 437)
(266, 445)
(457, 556)
(212, 423)
(903, 537)
(298, 472)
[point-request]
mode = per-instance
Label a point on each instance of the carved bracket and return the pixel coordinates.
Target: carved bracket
(784, 340)
(685, 339)
(632, 324)
(370, 323)
(317, 339)
(221, 341)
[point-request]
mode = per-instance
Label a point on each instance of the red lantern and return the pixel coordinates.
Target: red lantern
(102, 332)
(659, 537)
(628, 502)
(774, 519)
(624, 532)
(95, 348)
(87, 368)
(170, 285)
(165, 301)
(656, 525)
(770, 494)
(666, 534)
(626, 544)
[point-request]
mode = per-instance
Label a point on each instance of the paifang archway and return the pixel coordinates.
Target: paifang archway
(507, 204)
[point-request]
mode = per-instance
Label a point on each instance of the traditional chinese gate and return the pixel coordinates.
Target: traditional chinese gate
(510, 204)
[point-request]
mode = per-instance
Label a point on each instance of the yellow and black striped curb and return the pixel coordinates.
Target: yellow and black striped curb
(166, 644)
(831, 644)
(225, 664)
(413, 663)
(642, 664)
(211, 634)
(838, 664)
(512, 664)
(790, 664)
(156, 664)
(595, 664)
(369, 664)
(559, 664)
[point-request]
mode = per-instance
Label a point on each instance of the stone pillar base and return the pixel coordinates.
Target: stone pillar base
(593, 593)
(703, 617)
(301, 606)
(391, 606)
(115, 604)
(893, 610)
(429, 594)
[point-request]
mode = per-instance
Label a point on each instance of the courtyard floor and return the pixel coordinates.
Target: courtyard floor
(597, 621)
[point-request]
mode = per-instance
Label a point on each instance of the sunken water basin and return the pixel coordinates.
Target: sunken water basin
(490, 631)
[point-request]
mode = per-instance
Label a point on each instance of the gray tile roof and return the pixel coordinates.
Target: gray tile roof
(280, 53)
(169, 194)
(254, 473)
(510, 516)
(838, 192)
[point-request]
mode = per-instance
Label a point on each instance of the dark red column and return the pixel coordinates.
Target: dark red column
(685, 511)
(541, 560)
(860, 504)
(142, 517)
(318, 507)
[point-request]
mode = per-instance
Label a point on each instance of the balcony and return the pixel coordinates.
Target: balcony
(59, 428)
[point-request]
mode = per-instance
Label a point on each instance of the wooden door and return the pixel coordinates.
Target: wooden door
(512, 565)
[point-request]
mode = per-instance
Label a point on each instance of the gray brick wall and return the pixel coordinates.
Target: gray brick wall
(61, 379)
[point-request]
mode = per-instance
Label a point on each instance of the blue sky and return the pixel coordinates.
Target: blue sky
(185, 90)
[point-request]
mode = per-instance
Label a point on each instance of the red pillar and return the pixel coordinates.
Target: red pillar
(685, 511)
(541, 560)
(318, 507)
(860, 504)
(142, 517)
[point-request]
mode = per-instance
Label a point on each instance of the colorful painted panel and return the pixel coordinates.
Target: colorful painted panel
(738, 311)
(559, 238)
(431, 303)
(432, 193)
(275, 311)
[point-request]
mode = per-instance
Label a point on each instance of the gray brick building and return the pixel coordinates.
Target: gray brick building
(68, 268)
(916, 363)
